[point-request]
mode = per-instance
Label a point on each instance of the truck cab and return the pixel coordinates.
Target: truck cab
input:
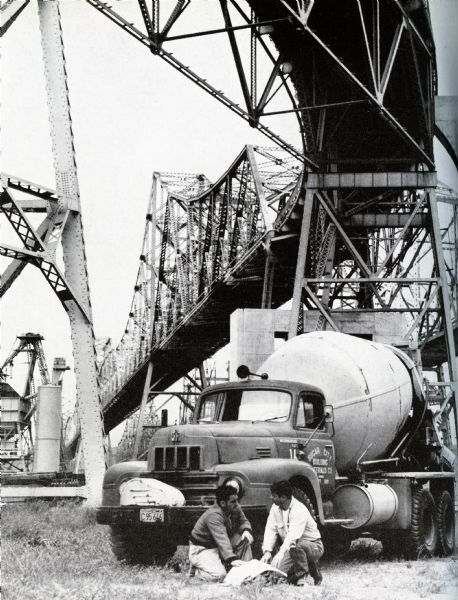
(239, 424)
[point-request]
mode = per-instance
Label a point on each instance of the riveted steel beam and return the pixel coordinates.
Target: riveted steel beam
(73, 247)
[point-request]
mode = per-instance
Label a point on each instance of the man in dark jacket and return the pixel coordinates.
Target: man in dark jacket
(221, 538)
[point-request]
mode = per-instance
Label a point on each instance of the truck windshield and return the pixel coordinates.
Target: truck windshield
(246, 405)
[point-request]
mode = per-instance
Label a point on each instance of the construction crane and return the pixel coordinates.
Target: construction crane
(16, 438)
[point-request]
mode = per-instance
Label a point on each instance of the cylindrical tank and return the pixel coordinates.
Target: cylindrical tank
(48, 429)
(368, 505)
(366, 383)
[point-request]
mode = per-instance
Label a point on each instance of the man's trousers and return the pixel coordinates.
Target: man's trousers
(300, 559)
(207, 562)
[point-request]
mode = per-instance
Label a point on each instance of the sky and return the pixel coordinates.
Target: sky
(131, 115)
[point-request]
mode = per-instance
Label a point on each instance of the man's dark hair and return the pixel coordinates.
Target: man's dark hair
(282, 488)
(224, 492)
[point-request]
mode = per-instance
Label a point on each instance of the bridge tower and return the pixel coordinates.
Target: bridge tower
(62, 225)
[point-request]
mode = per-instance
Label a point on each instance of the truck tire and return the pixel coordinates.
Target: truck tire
(334, 547)
(423, 535)
(137, 546)
(300, 495)
(446, 524)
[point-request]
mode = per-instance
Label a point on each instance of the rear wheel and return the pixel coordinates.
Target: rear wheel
(446, 524)
(137, 546)
(423, 536)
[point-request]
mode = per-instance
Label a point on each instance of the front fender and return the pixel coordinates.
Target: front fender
(259, 474)
(116, 475)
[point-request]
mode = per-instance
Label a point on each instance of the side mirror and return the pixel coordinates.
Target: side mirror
(243, 371)
(329, 413)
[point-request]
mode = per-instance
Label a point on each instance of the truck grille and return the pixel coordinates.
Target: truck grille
(198, 487)
(177, 458)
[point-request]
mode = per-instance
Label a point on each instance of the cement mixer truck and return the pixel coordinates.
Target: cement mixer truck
(344, 419)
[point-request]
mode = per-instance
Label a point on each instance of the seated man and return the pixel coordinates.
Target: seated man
(291, 524)
(221, 538)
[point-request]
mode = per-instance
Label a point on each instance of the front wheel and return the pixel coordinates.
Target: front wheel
(300, 495)
(137, 546)
(446, 524)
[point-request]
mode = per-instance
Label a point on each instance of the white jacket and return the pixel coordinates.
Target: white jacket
(290, 525)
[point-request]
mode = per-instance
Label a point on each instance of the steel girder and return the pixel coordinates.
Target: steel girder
(63, 226)
(344, 95)
(9, 12)
(40, 245)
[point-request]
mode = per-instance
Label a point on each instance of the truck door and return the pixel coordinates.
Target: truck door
(313, 442)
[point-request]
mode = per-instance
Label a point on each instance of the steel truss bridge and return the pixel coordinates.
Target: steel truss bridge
(351, 222)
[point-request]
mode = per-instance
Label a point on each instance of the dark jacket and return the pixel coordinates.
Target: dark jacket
(214, 530)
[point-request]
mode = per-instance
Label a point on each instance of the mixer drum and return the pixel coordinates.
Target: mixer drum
(367, 384)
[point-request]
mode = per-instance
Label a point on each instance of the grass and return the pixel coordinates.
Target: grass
(57, 551)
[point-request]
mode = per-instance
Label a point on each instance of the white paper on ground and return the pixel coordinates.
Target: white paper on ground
(249, 570)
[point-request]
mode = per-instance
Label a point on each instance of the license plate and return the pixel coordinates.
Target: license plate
(151, 515)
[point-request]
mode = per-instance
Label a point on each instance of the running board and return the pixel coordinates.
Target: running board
(338, 521)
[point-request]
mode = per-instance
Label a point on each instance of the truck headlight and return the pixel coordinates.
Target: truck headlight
(236, 483)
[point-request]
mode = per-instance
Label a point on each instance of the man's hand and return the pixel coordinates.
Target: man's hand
(237, 563)
(277, 559)
(246, 535)
(266, 557)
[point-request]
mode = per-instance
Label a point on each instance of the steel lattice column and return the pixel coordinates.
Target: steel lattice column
(73, 247)
(445, 302)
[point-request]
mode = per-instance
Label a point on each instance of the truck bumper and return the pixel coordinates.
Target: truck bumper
(177, 522)
(130, 515)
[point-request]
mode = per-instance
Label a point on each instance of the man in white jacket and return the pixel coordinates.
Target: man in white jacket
(291, 525)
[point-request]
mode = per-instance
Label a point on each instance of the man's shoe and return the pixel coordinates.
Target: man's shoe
(300, 582)
(191, 571)
(316, 573)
